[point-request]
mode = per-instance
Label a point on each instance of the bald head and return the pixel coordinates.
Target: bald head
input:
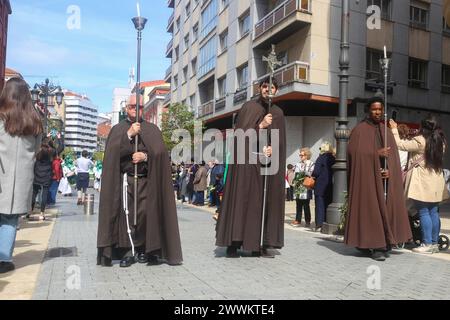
(132, 101)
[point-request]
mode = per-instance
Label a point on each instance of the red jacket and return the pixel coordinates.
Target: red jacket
(57, 169)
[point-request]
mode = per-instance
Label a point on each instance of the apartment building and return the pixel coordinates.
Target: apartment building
(80, 123)
(217, 48)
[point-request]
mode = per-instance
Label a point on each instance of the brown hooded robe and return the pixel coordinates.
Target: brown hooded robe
(240, 215)
(371, 222)
(160, 233)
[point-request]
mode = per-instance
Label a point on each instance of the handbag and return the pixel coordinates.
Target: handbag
(413, 165)
(309, 182)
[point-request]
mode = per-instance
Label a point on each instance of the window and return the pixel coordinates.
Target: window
(222, 87)
(373, 68)
(195, 33)
(417, 74)
(185, 74)
(244, 24)
(186, 42)
(193, 67)
(445, 26)
(178, 25)
(223, 39)
(175, 81)
(177, 53)
(192, 101)
(446, 78)
(207, 58)
(188, 10)
(418, 17)
(242, 75)
(223, 4)
(283, 58)
(209, 18)
(384, 5)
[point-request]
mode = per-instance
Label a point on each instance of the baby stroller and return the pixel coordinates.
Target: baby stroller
(443, 241)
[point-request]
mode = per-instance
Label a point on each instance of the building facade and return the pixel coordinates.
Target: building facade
(217, 48)
(154, 107)
(80, 123)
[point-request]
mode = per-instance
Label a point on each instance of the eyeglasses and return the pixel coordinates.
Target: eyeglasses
(302, 155)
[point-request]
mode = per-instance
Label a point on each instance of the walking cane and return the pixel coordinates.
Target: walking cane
(385, 67)
(272, 62)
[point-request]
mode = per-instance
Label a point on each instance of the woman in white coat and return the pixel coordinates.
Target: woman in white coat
(20, 138)
(425, 183)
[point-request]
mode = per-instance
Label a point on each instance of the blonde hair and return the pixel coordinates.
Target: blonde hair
(307, 152)
(326, 147)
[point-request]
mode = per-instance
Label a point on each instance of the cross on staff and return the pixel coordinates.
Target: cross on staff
(272, 62)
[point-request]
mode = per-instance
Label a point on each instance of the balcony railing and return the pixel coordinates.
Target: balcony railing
(220, 104)
(168, 72)
(206, 109)
(280, 13)
(293, 72)
(169, 49)
(170, 23)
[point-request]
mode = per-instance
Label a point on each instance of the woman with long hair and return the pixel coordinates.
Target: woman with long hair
(20, 137)
(43, 173)
(425, 183)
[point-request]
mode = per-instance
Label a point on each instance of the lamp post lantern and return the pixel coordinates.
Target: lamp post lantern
(342, 132)
(44, 93)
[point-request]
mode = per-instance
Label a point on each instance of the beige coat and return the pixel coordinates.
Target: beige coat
(421, 184)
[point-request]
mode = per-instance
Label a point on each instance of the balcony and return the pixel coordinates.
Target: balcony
(171, 3)
(220, 104)
(169, 49)
(293, 72)
(286, 19)
(168, 76)
(170, 23)
(206, 109)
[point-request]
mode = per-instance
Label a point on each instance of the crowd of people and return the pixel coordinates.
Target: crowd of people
(392, 175)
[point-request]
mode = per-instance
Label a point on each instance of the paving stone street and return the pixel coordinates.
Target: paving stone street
(311, 266)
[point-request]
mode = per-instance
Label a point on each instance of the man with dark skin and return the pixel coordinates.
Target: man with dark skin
(374, 223)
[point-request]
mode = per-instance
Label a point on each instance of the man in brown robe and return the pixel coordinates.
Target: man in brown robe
(156, 234)
(373, 223)
(240, 218)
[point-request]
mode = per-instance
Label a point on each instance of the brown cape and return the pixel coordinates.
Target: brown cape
(372, 223)
(162, 233)
(240, 215)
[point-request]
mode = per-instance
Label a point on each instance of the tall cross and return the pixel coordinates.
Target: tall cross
(272, 61)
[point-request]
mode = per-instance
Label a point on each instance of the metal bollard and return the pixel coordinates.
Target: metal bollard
(89, 204)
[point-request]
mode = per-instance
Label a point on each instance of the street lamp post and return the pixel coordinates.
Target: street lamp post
(342, 132)
(44, 93)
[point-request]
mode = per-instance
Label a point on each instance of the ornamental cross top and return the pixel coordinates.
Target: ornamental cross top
(272, 61)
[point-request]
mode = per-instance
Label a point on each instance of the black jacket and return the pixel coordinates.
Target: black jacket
(43, 172)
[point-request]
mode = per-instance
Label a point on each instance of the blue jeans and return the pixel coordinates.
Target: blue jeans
(52, 192)
(430, 223)
(8, 230)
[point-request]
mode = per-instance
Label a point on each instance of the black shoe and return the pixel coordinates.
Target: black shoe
(152, 260)
(6, 267)
(232, 252)
(127, 262)
(266, 253)
(378, 256)
(142, 258)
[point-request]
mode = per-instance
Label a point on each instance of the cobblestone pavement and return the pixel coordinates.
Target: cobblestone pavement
(311, 266)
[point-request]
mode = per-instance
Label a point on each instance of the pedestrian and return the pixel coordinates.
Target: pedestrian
(374, 223)
(56, 179)
(68, 172)
(98, 169)
(240, 217)
(184, 180)
(43, 174)
(425, 183)
(403, 131)
(83, 166)
(20, 138)
(290, 175)
(155, 234)
(303, 195)
(323, 188)
(200, 184)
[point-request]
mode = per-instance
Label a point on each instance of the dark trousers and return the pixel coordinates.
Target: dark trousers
(43, 193)
(52, 192)
(321, 209)
(290, 194)
(303, 205)
(199, 197)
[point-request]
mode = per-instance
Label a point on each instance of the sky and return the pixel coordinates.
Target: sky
(91, 55)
